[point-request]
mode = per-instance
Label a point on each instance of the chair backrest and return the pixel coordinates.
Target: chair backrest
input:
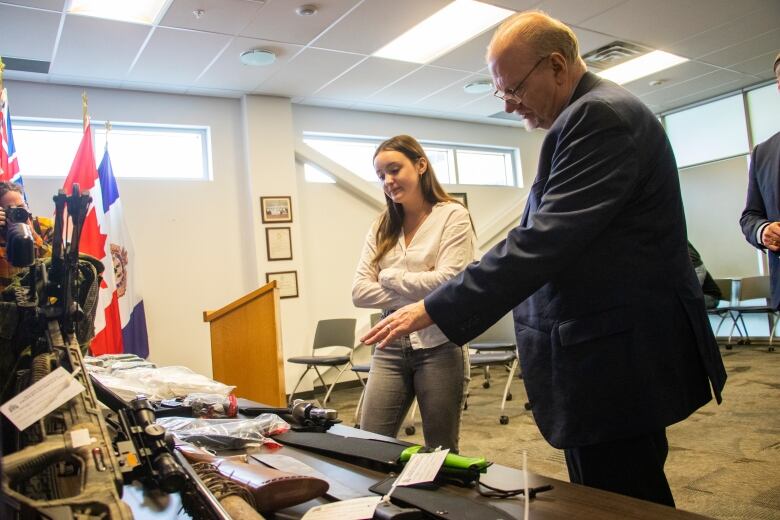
(338, 332)
(501, 331)
(753, 287)
(724, 284)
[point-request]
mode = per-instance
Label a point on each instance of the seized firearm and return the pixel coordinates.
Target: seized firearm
(63, 465)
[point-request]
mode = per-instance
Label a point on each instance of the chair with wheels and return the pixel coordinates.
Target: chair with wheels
(330, 333)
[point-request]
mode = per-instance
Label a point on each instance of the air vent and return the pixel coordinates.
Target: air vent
(24, 65)
(613, 54)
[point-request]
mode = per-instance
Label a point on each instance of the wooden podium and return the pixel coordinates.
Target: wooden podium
(246, 346)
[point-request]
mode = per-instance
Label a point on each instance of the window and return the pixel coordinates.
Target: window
(764, 107)
(47, 148)
(709, 132)
(452, 164)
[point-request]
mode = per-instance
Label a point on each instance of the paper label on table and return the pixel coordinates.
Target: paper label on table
(41, 398)
(422, 467)
(355, 509)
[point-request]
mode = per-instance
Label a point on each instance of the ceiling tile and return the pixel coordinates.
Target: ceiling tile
(65, 79)
(95, 47)
(309, 71)
(760, 66)
(229, 73)
(28, 33)
(278, 21)
(631, 20)
(375, 23)
(154, 87)
(418, 85)
(177, 56)
(453, 96)
(515, 5)
(222, 16)
(694, 97)
(590, 41)
(732, 33)
(470, 56)
(366, 78)
(574, 12)
(678, 74)
(696, 85)
(748, 49)
(52, 5)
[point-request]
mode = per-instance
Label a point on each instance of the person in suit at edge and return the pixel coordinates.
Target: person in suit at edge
(761, 218)
(609, 316)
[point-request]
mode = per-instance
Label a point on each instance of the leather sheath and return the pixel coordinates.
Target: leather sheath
(272, 489)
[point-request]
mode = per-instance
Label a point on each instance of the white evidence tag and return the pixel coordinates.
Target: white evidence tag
(355, 509)
(43, 397)
(422, 467)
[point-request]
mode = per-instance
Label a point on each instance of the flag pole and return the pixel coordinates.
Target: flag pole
(84, 109)
(2, 68)
(108, 129)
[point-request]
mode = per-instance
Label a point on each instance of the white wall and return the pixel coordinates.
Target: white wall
(200, 244)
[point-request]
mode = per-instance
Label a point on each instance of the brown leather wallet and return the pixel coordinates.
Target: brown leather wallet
(272, 489)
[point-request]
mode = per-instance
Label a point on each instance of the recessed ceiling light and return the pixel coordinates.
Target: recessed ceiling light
(258, 57)
(446, 29)
(482, 86)
(139, 11)
(641, 66)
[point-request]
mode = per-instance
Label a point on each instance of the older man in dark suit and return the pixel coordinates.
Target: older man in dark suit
(761, 218)
(611, 329)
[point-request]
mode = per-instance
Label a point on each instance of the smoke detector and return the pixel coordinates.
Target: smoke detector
(306, 10)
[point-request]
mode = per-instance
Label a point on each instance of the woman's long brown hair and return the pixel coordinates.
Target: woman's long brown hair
(392, 219)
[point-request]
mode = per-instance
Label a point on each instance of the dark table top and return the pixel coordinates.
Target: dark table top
(564, 501)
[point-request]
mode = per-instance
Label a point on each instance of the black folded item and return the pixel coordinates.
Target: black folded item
(438, 502)
(376, 454)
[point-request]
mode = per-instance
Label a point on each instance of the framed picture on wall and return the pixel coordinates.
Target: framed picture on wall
(278, 243)
(286, 281)
(276, 209)
(461, 197)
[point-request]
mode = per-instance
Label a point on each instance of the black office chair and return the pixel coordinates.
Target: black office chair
(329, 333)
(724, 311)
(496, 347)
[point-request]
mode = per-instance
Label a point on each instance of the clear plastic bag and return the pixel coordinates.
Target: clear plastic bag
(212, 406)
(226, 434)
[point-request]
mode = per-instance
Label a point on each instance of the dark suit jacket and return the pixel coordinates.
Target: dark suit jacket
(611, 329)
(763, 202)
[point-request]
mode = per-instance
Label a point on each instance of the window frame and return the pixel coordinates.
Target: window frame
(98, 126)
(513, 153)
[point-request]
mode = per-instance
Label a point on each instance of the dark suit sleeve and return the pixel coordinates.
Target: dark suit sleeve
(594, 172)
(754, 214)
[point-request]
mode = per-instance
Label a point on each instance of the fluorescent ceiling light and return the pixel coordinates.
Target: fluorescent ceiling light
(139, 11)
(641, 66)
(446, 29)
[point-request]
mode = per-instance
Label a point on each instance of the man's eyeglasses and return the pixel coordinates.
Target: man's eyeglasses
(512, 95)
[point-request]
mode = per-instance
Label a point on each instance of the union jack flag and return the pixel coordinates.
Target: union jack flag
(9, 164)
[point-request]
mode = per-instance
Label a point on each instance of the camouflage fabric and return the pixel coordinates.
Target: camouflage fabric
(43, 230)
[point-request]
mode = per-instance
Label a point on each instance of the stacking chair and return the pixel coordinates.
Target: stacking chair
(724, 311)
(329, 333)
(754, 288)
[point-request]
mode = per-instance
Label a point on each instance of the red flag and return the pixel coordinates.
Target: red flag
(108, 329)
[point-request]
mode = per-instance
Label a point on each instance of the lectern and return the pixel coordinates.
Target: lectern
(246, 346)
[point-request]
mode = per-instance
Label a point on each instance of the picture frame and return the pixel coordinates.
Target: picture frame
(278, 243)
(461, 197)
(286, 281)
(276, 209)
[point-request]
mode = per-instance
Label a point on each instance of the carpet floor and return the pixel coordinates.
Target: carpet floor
(724, 461)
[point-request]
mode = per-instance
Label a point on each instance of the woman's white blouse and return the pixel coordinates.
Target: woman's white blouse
(441, 248)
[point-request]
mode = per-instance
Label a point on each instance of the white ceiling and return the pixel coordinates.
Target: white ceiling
(325, 59)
